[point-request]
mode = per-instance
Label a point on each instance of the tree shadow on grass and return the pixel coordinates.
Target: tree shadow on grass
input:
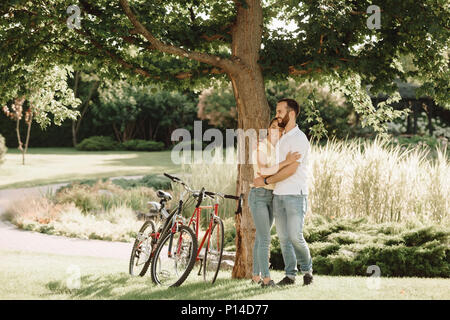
(124, 287)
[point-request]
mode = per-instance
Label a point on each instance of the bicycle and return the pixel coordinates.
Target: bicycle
(214, 236)
(148, 235)
(174, 257)
(145, 245)
(172, 228)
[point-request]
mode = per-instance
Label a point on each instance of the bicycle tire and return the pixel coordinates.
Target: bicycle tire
(218, 225)
(192, 256)
(135, 247)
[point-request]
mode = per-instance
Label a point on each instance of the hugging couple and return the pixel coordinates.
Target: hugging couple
(279, 191)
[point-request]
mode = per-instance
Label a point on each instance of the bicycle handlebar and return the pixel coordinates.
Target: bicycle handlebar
(203, 192)
(228, 196)
(173, 178)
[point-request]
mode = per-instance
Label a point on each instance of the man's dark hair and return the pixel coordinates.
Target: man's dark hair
(292, 105)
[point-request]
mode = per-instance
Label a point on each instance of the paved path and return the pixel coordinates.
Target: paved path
(12, 238)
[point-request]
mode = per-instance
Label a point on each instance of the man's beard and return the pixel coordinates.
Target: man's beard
(284, 121)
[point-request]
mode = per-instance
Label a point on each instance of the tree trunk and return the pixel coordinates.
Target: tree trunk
(19, 140)
(117, 133)
(74, 122)
(415, 111)
(27, 140)
(253, 113)
(85, 105)
(429, 110)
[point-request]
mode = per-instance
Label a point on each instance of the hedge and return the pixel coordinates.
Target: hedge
(103, 143)
(143, 145)
(98, 143)
(347, 248)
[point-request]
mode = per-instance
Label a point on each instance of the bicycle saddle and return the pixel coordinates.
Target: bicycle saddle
(164, 195)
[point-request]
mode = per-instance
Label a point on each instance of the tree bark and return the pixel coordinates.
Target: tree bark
(74, 122)
(27, 140)
(19, 140)
(253, 113)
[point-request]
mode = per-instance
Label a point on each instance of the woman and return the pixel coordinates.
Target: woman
(260, 201)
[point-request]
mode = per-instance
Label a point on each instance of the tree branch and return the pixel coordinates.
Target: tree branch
(92, 9)
(115, 57)
(217, 61)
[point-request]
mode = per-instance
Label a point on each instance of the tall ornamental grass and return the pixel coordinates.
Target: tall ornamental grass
(214, 176)
(382, 183)
(357, 179)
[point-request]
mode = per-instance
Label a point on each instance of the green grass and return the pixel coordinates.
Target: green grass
(27, 275)
(55, 165)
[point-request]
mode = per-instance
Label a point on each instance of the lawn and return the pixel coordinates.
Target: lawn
(26, 275)
(54, 165)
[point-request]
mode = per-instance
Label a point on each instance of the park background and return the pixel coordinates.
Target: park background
(378, 193)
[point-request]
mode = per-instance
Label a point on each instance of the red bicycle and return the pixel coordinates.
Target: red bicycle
(211, 255)
(171, 249)
(160, 229)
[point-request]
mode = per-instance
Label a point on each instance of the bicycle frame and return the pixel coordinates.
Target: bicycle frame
(196, 220)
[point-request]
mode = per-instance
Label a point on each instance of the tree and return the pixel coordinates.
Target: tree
(46, 91)
(187, 43)
(144, 111)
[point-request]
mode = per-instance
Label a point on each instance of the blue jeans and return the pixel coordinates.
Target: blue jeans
(260, 202)
(289, 212)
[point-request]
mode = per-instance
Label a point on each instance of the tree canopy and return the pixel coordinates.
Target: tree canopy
(186, 43)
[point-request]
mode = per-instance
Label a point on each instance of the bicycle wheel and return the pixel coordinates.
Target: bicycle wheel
(142, 249)
(172, 268)
(214, 251)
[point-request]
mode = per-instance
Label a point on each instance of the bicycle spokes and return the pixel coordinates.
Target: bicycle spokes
(174, 257)
(142, 249)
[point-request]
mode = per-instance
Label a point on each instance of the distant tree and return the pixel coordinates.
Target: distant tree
(45, 91)
(144, 111)
(84, 87)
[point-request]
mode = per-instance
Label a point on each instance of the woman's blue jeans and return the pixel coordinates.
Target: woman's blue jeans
(260, 202)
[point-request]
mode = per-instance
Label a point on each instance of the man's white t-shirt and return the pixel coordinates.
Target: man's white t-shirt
(293, 141)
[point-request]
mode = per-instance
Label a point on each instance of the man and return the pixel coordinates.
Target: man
(290, 195)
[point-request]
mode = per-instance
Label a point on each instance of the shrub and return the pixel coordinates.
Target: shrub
(421, 236)
(104, 196)
(3, 149)
(323, 248)
(102, 211)
(412, 141)
(98, 143)
(349, 247)
(229, 234)
(150, 181)
(143, 145)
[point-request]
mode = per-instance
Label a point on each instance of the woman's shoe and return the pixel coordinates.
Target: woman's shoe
(254, 282)
(270, 284)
